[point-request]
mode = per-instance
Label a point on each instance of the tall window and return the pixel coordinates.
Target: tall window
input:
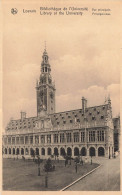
(9, 140)
(26, 140)
(37, 139)
(68, 136)
(31, 139)
(17, 140)
(21, 140)
(100, 136)
(42, 139)
(55, 136)
(83, 136)
(62, 138)
(91, 136)
(49, 138)
(76, 137)
(5, 140)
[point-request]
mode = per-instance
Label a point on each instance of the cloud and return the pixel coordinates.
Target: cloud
(95, 96)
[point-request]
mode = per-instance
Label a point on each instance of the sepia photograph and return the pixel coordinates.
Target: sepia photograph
(61, 96)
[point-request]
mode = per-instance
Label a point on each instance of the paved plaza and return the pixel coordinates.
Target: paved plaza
(106, 178)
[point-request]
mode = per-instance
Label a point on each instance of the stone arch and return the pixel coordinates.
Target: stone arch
(69, 151)
(26, 151)
(62, 151)
(17, 151)
(9, 150)
(43, 151)
(13, 150)
(22, 151)
(101, 151)
(5, 150)
(76, 151)
(31, 151)
(37, 151)
(49, 152)
(56, 151)
(83, 151)
(91, 151)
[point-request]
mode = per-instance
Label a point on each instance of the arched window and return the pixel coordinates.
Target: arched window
(92, 151)
(49, 151)
(76, 151)
(101, 151)
(43, 151)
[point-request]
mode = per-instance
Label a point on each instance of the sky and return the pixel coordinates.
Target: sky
(84, 54)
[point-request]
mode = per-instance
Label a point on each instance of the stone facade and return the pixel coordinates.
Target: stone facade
(88, 131)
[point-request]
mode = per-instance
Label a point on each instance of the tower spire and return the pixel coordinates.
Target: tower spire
(45, 46)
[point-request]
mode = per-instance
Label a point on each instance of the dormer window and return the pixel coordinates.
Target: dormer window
(102, 117)
(93, 118)
(78, 120)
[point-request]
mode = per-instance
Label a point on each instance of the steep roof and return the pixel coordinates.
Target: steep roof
(93, 114)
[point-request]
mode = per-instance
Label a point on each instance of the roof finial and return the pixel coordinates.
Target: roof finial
(45, 45)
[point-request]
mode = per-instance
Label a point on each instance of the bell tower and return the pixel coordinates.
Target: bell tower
(45, 88)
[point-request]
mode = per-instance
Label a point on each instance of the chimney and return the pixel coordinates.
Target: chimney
(84, 104)
(23, 115)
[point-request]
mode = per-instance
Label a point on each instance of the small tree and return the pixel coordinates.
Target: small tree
(48, 166)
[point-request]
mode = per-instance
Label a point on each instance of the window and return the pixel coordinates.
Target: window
(26, 140)
(100, 135)
(55, 137)
(64, 122)
(49, 138)
(62, 138)
(36, 139)
(89, 113)
(76, 137)
(31, 139)
(17, 140)
(82, 136)
(45, 69)
(78, 120)
(21, 140)
(68, 116)
(93, 118)
(57, 123)
(9, 140)
(42, 139)
(102, 117)
(71, 121)
(98, 112)
(5, 140)
(91, 136)
(68, 137)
